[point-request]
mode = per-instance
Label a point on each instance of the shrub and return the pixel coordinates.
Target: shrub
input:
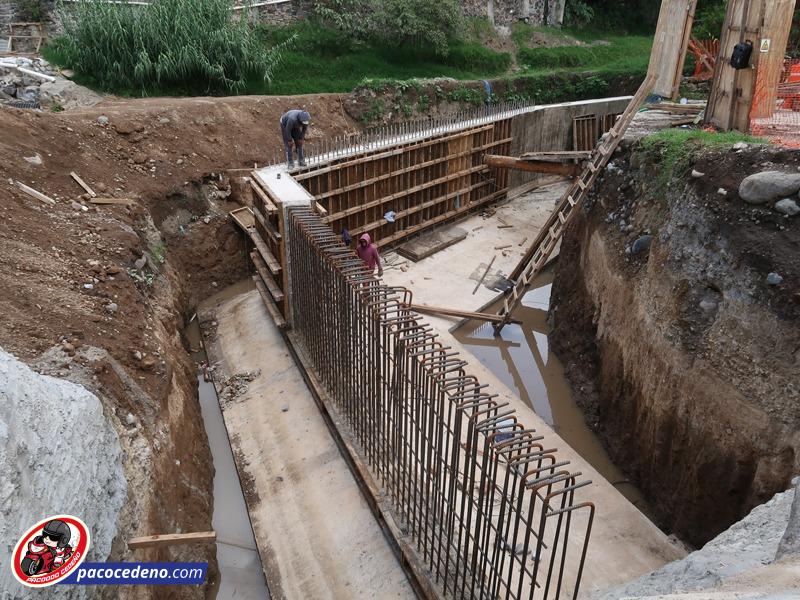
(415, 23)
(185, 44)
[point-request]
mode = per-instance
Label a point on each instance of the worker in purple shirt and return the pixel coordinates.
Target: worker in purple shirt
(368, 252)
(294, 125)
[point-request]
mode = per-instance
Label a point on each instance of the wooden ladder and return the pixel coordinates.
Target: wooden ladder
(547, 239)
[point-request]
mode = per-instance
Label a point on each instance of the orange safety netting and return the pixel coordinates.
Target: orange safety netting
(775, 113)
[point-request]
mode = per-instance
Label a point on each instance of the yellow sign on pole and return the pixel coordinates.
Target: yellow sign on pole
(765, 45)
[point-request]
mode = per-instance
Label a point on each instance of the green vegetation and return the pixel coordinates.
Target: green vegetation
(399, 24)
(322, 59)
(171, 44)
(192, 47)
(610, 54)
(673, 149)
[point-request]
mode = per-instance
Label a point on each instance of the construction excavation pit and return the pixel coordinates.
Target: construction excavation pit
(572, 373)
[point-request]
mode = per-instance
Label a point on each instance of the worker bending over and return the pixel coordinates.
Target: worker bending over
(294, 125)
(368, 252)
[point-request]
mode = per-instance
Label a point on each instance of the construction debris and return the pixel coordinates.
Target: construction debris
(172, 539)
(35, 194)
(485, 273)
(83, 184)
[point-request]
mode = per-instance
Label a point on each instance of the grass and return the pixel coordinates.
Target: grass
(673, 149)
(321, 60)
(601, 53)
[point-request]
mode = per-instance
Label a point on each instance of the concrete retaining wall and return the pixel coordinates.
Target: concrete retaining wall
(549, 127)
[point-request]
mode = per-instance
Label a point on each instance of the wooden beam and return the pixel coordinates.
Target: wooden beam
(452, 312)
(35, 194)
(558, 156)
(268, 205)
(110, 200)
(172, 539)
(534, 166)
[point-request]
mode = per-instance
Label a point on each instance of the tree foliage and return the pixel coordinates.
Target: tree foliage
(417, 23)
(194, 44)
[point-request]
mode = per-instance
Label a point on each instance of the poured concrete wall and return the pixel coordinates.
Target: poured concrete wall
(549, 127)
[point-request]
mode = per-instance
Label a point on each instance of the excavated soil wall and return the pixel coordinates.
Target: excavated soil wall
(99, 294)
(683, 356)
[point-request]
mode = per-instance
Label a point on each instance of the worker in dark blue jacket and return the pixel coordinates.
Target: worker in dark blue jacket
(294, 125)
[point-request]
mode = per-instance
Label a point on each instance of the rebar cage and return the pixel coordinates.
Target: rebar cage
(491, 510)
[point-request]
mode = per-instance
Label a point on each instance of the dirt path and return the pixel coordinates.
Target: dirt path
(317, 537)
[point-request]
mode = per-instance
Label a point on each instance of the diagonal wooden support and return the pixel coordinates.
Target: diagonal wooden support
(550, 234)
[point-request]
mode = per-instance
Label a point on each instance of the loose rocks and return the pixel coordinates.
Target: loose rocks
(767, 186)
(787, 206)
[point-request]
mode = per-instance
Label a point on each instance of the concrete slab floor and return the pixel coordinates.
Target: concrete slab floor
(316, 534)
(624, 543)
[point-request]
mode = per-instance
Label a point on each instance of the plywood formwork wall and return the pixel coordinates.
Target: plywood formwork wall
(422, 182)
(732, 89)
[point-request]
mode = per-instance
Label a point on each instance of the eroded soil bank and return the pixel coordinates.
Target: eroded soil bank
(683, 356)
(98, 294)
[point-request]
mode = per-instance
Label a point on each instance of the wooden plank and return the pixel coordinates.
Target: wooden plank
(269, 303)
(243, 217)
(669, 45)
(272, 263)
(533, 166)
(398, 172)
(269, 282)
(390, 198)
(451, 312)
(776, 28)
(451, 215)
(172, 539)
(368, 157)
(274, 236)
(268, 205)
(109, 200)
(485, 273)
(558, 156)
(34, 193)
(83, 184)
(418, 208)
(732, 89)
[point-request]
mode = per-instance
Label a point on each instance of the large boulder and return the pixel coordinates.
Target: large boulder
(67, 94)
(58, 455)
(768, 186)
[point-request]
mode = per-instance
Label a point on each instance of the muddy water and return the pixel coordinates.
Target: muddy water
(521, 357)
(241, 574)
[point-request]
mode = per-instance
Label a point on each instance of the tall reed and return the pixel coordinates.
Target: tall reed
(198, 45)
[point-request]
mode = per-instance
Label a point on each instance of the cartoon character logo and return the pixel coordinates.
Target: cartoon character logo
(50, 550)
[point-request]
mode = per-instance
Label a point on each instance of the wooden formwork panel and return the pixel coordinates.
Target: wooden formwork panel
(269, 257)
(732, 89)
(423, 183)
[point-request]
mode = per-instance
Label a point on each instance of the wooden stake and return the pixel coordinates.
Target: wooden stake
(82, 183)
(485, 273)
(111, 200)
(172, 539)
(523, 241)
(34, 194)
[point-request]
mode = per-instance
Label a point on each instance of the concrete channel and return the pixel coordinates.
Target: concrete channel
(241, 575)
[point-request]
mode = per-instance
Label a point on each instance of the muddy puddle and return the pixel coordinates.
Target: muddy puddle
(241, 574)
(521, 358)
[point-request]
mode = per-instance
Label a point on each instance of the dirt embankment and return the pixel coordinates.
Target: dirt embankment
(100, 294)
(684, 357)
